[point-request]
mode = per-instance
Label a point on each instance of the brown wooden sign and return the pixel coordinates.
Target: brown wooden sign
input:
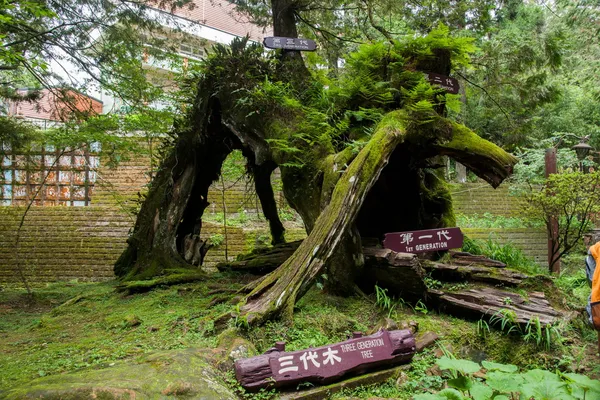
(447, 83)
(327, 363)
(424, 241)
(289, 43)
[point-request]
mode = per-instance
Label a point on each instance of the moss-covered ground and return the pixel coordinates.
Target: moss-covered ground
(71, 326)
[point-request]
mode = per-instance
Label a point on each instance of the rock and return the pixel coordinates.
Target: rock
(170, 373)
(231, 348)
(434, 371)
(386, 323)
(402, 379)
(131, 321)
(428, 339)
(412, 325)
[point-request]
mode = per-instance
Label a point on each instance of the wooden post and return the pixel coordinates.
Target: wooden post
(550, 164)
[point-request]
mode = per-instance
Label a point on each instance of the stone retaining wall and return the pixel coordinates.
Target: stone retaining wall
(480, 198)
(82, 243)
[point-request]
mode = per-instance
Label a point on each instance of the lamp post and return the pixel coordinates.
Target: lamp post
(582, 149)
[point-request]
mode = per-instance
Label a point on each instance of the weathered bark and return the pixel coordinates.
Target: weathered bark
(490, 302)
(263, 262)
(278, 291)
(473, 273)
(401, 273)
(485, 159)
(464, 258)
(264, 190)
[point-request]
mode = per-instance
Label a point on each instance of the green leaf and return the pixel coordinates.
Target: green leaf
(464, 366)
(545, 390)
(481, 391)
(452, 394)
(584, 382)
(501, 397)
(540, 375)
(492, 366)
(463, 383)
(504, 382)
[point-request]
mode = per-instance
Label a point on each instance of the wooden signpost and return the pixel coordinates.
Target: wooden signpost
(447, 83)
(424, 241)
(325, 364)
(289, 43)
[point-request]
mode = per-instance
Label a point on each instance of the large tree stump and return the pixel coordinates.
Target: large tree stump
(401, 273)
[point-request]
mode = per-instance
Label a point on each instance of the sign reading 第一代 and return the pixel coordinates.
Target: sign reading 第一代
(289, 43)
(424, 241)
(445, 82)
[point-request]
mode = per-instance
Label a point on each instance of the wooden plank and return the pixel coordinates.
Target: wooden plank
(325, 364)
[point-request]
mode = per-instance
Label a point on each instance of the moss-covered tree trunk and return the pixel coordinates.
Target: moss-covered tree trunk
(266, 108)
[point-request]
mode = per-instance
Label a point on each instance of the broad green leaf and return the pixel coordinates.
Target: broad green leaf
(452, 394)
(545, 390)
(577, 391)
(481, 391)
(492, 366)
(464, 366)
(504, 382)
(540, 375)
(501, 397)
(462, 383)
(584, 382)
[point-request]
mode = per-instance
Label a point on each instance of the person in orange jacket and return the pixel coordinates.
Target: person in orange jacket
(593, 275)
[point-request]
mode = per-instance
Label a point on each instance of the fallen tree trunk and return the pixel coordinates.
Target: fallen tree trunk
(493, 303)
(473, 273)
(263, 262)
(464, 258)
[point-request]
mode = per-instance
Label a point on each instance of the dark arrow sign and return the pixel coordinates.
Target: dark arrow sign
(424, 241)
(447, 83)
(289, 43)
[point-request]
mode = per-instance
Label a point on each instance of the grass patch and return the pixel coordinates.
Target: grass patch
(68, 327)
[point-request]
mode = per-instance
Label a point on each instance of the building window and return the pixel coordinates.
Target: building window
(191, 50)
(48, 176)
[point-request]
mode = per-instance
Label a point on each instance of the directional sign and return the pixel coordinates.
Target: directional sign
(289, 43)
(424, 241)
(450, 84)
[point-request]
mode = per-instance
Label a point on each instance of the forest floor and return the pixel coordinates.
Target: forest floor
(68, 327)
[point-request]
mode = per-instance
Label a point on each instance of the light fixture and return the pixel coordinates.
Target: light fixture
(582, 148)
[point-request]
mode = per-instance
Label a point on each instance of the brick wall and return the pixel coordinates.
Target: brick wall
(533, 242)
(65, 243)
(479, 198)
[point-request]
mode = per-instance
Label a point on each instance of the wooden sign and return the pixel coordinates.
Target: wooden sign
(325, 364)
(289, 43)
(447, 83)
(424, 241)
